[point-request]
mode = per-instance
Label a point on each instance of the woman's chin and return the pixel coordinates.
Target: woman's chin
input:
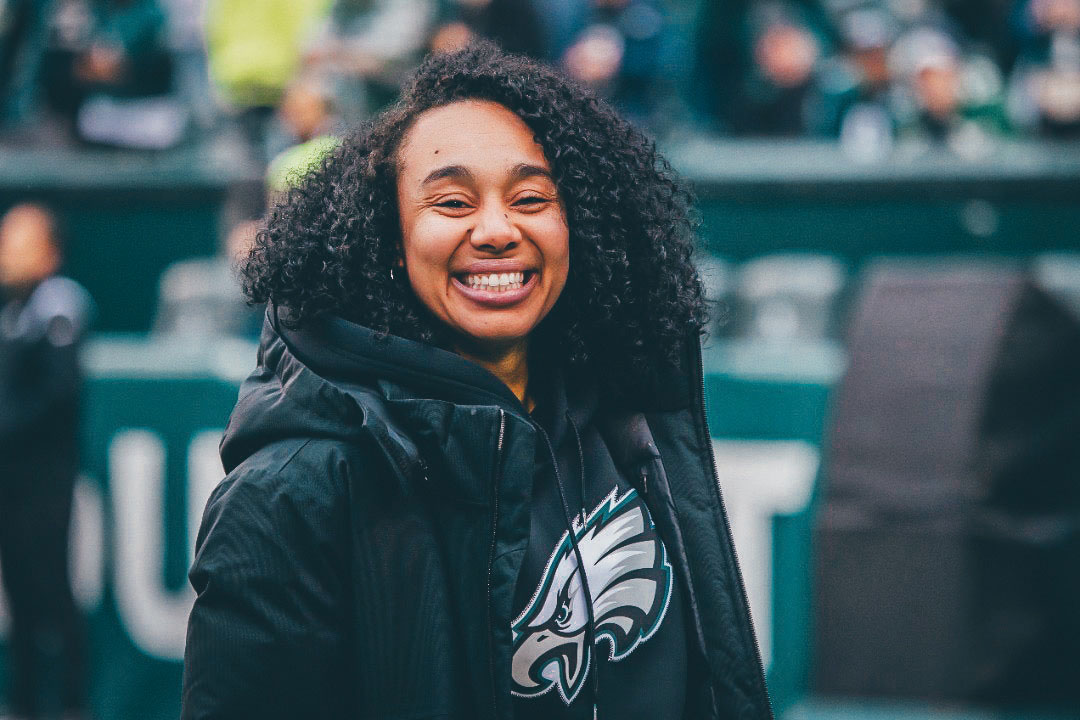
(484, 344)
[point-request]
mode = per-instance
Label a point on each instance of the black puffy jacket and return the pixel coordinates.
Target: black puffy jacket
(360, 558)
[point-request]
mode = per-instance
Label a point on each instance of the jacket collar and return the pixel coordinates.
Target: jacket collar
(341, 350)
(334, 378)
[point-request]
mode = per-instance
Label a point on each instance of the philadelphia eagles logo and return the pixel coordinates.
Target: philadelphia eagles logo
(630, 579)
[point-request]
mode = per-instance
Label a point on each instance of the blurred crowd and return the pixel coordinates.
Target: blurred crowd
(292, 74)
(876, 72)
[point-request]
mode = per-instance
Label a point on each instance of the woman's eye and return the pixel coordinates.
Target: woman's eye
(452, 204)
(531, 200)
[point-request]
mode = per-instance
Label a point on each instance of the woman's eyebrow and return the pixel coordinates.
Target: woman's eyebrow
(522, 171)
(455, 172)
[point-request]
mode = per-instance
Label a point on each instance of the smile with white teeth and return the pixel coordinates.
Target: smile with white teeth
(496, 282)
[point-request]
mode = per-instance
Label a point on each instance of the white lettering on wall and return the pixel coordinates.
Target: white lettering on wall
(761, 479)
(204, 474)
(154, 617)
(86, 545)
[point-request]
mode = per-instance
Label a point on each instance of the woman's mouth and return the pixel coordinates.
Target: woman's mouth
(496, 289)
(495, 282)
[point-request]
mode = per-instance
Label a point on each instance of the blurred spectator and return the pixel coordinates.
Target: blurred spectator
(201, 298)
(107, 73)
(306, 111)
(1046, 82)
(858, 91)
(42, 319)
(365, 48)
(623, 49)
(757, 66)
(955, 99)
(307, 131)
(254, 50)
(515, 25)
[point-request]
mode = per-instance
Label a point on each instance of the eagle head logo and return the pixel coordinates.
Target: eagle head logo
(630, 579)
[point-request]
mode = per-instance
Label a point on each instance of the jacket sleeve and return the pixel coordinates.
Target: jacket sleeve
(267, 633)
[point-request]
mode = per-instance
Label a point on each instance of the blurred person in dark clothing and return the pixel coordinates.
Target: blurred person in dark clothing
(624, 52)
(514, 25)
(42, 319)
(756, 66)
(627, 51)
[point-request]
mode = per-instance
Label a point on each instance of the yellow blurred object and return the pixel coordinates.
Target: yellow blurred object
(289, 168)
(254, 47)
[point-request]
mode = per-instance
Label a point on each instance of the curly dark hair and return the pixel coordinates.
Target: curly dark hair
(632, 295)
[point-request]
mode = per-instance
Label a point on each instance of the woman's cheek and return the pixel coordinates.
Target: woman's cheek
(432, 239)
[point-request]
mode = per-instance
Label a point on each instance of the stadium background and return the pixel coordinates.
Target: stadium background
(825, 140)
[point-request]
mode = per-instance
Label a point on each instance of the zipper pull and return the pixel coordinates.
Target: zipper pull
(644, 482)
(594, 712)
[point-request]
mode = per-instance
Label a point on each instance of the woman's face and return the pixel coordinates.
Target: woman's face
(484, 235)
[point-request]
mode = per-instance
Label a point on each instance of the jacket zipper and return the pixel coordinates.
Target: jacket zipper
(731, 540)
(491, 559)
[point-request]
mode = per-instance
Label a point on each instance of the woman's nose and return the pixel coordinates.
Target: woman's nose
(494, 231)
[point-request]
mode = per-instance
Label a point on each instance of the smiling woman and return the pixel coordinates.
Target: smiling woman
(470, 476)
(483, 231)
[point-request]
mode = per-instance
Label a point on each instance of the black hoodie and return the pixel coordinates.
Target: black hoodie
(360, 559)
(613, 646)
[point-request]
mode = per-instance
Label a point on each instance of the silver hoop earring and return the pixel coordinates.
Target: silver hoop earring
(391, 273)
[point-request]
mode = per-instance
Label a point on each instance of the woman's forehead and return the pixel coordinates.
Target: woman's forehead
(482, 136)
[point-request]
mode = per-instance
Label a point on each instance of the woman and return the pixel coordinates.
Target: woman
(482, 332)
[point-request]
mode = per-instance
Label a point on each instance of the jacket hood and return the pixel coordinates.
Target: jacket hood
(331, 378)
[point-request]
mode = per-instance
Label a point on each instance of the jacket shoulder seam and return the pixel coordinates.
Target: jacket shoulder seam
(293, 455)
